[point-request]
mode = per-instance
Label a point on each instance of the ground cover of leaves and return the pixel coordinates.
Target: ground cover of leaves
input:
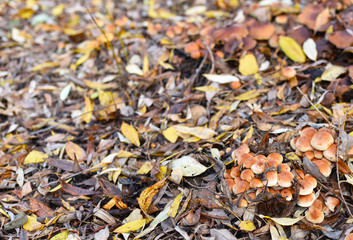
(119, 119)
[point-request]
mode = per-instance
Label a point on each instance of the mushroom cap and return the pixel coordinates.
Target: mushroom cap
(311, 180)
(271, 178)
(288, 72)
(240, 186)
(318, 154)
(332, 203)
(243, 148)
(243, 202)
(247, 175)
(308, 132)
(349, 237)
(298, 153)
(285, 179)
(230, 182)
(324, 167)
(314, 215)
(235, 172)
(227, 174)
(256, 183)
(303, 144)
(245, 157)
(259, 166)
(322, 140)
(287, 194)
(248, 161)
(278, 157)
(261, 156)
(330, 153)
(272, 163)
(261, 31)
(281, 19)
(293, 141)
(274, 191)
(252, 195)
(330, 131)
(300, 173)
(305, 187)
(305, 200)
(309, 155)
(283, 168)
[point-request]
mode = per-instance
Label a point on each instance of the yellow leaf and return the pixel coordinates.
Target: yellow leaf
(131, 226)
(292, 49)
(207, 89)
(74, 151)
(247, 226)
(26, 13)
(164, 14)
(333, 72)
(145, 67)
(61, 236)
(249, 134)
(162, 173)
(32, 224)
(170, 134)
(35, 157)
(175, 206)
(250, 94)
(58, 10)
(145, 168)
(130, 133)
(87, 112)
(200, 132)
(147, 195)
(248, 65)
(45, 65)
(99, 86)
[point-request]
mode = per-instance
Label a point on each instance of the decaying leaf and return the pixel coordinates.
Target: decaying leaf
(284, 221)
(332, 72)
(131, 226)
(221, 79)
(200, 132)
(74, 151)
(189, 166)
(309, 48)
(147, 195)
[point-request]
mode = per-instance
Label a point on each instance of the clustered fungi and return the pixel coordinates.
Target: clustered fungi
(254, 173)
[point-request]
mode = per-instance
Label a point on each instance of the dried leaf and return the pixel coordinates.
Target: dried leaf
(322, 19)
(333, 72)
(130, 133)
(170, 134)
(248, 65)
(32, 224)
(189, 166)
(75, 191)
(61, 236)
(145, 168)
(200, 132)
(87, 112)
(221, 79)
(131, 226)
(207, 89)
(292, 49)
(147, 195)
(35, 157)
(247, 225)
(102, 234)
(309, 48)
(250, 94)
(45, 65)
(222, 234)
(284, 221)
(175, 206)
(74, 151)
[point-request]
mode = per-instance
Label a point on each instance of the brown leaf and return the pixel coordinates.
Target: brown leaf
(41, 209)
(76, 191)
(341, 39)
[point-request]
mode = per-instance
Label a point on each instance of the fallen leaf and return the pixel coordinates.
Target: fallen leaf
(175, 206)
(35, 157)
(87, 112)
(292, 49)
(131, 226)
(284, 221)
(333, 72)
(61, 236)
(170, 134)
(189, 166)
(32, 224)
(147, 195)
(200, 132)
(309, 48)
(247, 225)
(250, 94)
(74, 151)
(248, 65)
(130, 133)
(75, 191)
(222, 79)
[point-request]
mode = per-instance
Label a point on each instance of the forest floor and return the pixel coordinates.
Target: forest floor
(137, 119)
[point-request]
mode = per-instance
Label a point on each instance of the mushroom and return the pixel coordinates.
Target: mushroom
(271, 178)
(259, 166)
(309, 155)
(324, 167)
(330, 131)
(305, 187)
(305, 200)
(318, 154)
(243, 202)
(256, 183)
(276, 156)
(303, 144)
(311, 180)
(349, 237)
(293, 141)
(308, 132)
(248, 161)
(332, 203)
(283, 168)
(240, 150)
(285, 179)
(330, 153)
(247, 175)
(230, 182)
(235, 172)
(287, 194)
(227, 174)
(240, 186)
(315, 214)
(322, 140)
(288, 72)
(245, 157)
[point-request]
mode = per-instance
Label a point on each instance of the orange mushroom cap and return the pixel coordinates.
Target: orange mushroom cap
(247, 175)
(287, 194)
(288, 72)
(293, 142)
(308, 132)
(259, 166)
(330, 153)
(245, 158)
(271, 178)
(315, 214)
(311, 180)
(305, 200)
(318, 154)
(276, 156)
(305, 187)
(283, 168)
(303, 144)
(324, 167)
(309, 155)
(332, 203)
(230, 182)
(322, 140)
(285, 179)
(256, 183)
(240, 186)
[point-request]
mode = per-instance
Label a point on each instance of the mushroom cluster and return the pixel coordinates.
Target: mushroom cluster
(318, 146)
(252, 173)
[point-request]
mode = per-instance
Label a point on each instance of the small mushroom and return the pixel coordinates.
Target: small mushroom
(330, 153)
(315, 214)
(235, 172)
(303, 144)
(285, 179)
(305, 200)
(305, 187)
(256, 183)
(240, 186)
(247, 175)
(271, 178)
(287, 194)
(322, 140)
(259, 166)
(324, 167)
(308, 132)
(332, 203)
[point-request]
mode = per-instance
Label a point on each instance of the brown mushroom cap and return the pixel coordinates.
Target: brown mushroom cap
(303, 144)
(305, 200)
(292, 142)
(287, 194)
(309, 155)
(247, 175)
(256, 183)
(349, 237)
(227, 174)
(308, 132)
(243, 203)
(230, 182)
(271, 178)
(283, 168)
(300, 173)
(240, 186)
(324, 167)
(305, 187)
(318, 154)
(288, 72)
(252, 195)
(322, 140)
(240, 150)
(330, 153)
(285, 179)
(315, 214)
(278, 157)
(332, 203)
(249, 161)
(261, 156)
(261, 31)
(259, 166)
(274, 191)
(298, 153)
(311, 180)
(235, 172)
(245, 158)
(272, 163)
(330, 131)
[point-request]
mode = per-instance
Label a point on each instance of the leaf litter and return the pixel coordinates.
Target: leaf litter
(126, 120)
